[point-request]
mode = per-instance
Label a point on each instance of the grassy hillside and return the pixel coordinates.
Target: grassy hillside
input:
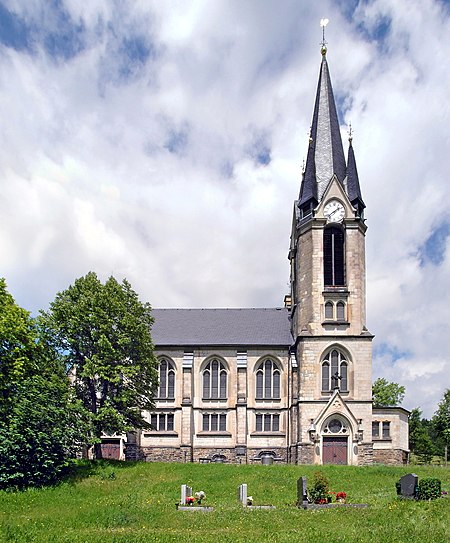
(135, 502)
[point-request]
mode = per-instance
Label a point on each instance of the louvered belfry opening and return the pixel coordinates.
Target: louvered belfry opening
(333, 257)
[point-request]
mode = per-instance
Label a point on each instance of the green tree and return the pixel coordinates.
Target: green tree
(441, 423)
(386, 394)
(37, 429)
(420, 441)
(103, 334)
(17, 346)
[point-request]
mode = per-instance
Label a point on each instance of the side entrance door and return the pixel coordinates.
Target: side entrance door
(334, 450)
(111, 449)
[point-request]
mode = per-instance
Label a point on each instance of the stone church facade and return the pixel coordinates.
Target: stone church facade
(290, 384)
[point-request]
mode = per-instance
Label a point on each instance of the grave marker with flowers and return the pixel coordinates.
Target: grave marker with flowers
(192, 502)
(319, 496)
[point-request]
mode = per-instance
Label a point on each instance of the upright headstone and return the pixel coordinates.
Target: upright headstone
(302, 497)
(185, 492)
(243, 494)
(408, 485)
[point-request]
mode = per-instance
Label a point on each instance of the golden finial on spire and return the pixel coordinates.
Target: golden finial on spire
(323, 24)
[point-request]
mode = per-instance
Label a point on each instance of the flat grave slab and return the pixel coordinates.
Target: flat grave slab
(333, 505)
(200, 508)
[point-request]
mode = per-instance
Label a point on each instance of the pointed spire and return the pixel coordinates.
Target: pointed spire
(353, 188)
(325, 153)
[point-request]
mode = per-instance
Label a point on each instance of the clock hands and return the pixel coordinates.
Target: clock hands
(334, 211)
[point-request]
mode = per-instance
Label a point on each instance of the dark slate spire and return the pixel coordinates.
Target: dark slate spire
(325, 153)
(353, 188)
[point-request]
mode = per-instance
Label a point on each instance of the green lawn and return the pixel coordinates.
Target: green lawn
(135, 502)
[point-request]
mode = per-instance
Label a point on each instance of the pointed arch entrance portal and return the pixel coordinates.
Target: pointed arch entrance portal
(335, 441)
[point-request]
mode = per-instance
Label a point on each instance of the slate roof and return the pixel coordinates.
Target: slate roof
(325, 153)
(353, 188)
(239, 327)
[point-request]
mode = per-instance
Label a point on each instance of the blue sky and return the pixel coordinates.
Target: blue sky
(163, 142)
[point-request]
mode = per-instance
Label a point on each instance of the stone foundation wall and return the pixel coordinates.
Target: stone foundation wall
(165, 454)
(280, 455)
(293, 454)
(185, 454)
(133, 452)
(365, 454)
(390, 457)
(207, 453)
(302, 453)
(305, 453)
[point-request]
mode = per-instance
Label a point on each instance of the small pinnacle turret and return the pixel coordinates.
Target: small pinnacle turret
(353, 188)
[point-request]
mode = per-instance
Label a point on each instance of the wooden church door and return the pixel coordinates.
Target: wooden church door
(334, 450)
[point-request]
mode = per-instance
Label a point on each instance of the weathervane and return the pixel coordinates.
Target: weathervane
(323, 24)
(350, 133)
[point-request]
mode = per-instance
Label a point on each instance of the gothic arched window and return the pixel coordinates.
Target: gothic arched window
(166, 380)
(333, 257)
(335, 371)
(267, 380)
(340, 311)
(215, 381)
(329, 310)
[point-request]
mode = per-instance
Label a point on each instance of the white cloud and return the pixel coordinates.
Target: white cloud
(89, 181)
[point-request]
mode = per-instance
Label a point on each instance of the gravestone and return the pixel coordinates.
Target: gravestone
(243, 498)
(408, 485)
(302, 497)
(243, 494)
(185, 492)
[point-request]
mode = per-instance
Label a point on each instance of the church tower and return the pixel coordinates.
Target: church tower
(331, 413)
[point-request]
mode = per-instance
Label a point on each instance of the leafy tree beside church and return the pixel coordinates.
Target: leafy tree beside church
(385, 394)
(441, 423)
(40, 423)
(420, 440)
(102, 332)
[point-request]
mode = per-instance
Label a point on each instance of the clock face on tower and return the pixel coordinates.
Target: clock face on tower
(334, 211)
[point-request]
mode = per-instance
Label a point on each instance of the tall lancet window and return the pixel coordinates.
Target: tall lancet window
(335, 371)
(334, 257)
(166, 380)
(215, 381)
(267, 380)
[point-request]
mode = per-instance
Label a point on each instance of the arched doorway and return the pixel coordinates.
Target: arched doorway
(335, 437)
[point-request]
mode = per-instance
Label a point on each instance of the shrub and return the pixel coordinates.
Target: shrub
(429, 489)
(319, 491)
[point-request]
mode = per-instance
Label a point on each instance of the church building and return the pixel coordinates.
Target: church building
(289, 384)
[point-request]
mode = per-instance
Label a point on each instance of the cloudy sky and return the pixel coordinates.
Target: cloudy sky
(163, 142)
